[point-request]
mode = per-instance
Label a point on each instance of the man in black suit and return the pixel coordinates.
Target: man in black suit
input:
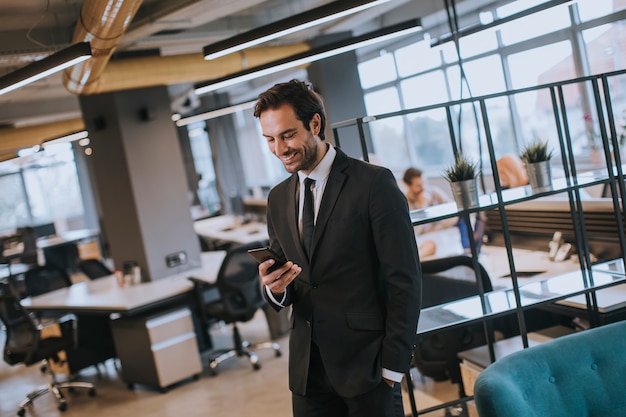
(354, 281)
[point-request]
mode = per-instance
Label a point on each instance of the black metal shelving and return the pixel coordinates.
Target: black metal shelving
(589, 277)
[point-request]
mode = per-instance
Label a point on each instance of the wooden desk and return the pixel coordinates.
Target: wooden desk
(477, 359)
(230, 228)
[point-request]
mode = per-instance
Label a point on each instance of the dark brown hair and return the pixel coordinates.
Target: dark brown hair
(411, 173)
(300, 96)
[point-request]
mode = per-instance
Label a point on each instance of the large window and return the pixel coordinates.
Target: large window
(203, 161)
(261, 168)
(40, 188)
(561, 42)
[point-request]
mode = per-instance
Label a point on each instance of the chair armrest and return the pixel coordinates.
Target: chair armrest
(205, 293)
(199, 282)
(43, 322)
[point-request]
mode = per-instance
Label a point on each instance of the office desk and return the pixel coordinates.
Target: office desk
(610, 302)
(530, 265)
(71, 236)
(106, 296)
(230, 228)
(153, 318)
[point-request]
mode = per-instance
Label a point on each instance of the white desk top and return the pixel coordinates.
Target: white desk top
(530, 265)
(230, 228)
(608, 299)
(66, 237)
(105, 295)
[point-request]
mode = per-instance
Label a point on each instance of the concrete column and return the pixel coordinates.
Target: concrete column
(140, 183)
(337, 80)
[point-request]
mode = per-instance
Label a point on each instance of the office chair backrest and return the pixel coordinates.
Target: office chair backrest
(445, 280)
(458, 271)
(29, 240)
(22, 335)
(93, 268)
(46, 278)
(238, 283)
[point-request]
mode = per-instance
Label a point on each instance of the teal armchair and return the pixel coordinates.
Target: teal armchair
(582, 374)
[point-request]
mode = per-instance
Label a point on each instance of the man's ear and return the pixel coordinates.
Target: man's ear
(315, 123)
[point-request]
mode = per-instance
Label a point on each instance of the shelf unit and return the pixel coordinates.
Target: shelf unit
(590, 276)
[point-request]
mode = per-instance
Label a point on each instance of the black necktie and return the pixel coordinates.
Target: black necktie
(308, 216)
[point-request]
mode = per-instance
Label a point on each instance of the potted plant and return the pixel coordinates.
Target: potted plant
(462, 175)
(536, 157)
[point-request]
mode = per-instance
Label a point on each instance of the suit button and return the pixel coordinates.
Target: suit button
(314, 285)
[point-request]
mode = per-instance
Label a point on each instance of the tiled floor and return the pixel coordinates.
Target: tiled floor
(237, 390)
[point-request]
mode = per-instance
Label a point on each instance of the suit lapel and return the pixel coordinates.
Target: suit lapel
(334, 185)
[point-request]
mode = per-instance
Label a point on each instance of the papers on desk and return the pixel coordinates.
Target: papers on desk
(231, 228)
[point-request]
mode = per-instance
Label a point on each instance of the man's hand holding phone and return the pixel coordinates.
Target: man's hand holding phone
(275, 273)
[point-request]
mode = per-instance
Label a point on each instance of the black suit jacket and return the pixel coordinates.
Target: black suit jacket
(361, 290)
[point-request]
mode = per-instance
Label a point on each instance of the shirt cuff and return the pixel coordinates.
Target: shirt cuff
(270, 294)
(392, 375)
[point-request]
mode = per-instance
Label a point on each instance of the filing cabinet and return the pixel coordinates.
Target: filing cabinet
(157, 350)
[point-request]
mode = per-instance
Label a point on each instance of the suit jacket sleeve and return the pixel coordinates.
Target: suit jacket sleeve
(276, 248)
(400, 269)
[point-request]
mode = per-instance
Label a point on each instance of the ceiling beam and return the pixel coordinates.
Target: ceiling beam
(133, 73)
(127, 74)
(27, 137)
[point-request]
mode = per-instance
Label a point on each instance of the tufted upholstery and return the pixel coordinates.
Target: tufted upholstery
(582, 374)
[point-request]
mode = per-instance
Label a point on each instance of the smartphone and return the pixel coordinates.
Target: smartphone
(263, 254)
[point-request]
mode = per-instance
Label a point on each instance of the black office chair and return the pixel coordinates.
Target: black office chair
(445, 280)
(93, 268)
(28, 237)
(45, 278)
(239, 296)
(25, 345)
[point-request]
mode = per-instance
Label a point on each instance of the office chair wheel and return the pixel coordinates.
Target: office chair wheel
(91, 392)
(278, 353)
(256, 366)
(62, 406)
(21, 412)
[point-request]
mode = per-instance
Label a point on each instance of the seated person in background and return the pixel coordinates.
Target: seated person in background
(511, 171)
(420, 194)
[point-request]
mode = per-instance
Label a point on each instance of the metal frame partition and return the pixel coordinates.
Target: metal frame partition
(519, 298)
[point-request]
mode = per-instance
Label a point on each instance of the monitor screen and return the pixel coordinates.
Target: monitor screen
(44, 230)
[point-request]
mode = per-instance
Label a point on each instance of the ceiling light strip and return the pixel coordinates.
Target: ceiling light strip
(284, 27)
(37, 70)
(215, 113)
(312, 55)
(68, 138)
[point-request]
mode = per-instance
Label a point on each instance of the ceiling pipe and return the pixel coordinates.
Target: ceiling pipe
(103, 24)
